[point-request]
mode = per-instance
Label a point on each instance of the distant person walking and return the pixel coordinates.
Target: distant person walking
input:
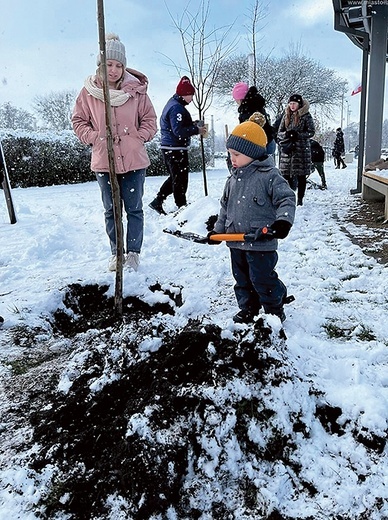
(176, 128)
(317, 160)
(133, 124)
(294, 133)
(339, 149)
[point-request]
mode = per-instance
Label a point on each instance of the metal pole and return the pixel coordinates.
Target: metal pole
(251, 69)
(342, 112)
(376, 84)
(361, 137)
(112, 174)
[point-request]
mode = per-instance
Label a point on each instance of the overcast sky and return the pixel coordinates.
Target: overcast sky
(52, 45)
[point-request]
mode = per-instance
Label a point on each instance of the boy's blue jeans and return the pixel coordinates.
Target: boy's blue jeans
(131, 186)
(257, 283)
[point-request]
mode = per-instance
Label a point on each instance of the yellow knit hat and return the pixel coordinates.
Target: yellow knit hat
(249, 137)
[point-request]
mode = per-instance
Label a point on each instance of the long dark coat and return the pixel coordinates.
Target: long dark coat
(298, 161)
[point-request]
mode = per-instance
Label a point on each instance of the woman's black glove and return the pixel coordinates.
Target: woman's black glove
(292, 134)
(280, 228)
(212, 242)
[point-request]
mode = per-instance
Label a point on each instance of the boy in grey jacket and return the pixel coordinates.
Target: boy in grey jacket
(255, 196)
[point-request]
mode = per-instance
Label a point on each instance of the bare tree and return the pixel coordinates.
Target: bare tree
(55, 109)
(205, 51)
(278, 78)
(256, 14)
(16, 118)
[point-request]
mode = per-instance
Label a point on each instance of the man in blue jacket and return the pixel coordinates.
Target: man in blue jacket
(176, 128)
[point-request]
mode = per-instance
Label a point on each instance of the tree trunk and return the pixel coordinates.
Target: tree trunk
(203, 158)
(112, 173)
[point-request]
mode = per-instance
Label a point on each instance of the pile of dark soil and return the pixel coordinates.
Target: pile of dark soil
(145, 422)
(93, 438)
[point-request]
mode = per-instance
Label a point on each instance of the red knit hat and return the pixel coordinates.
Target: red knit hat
(185, 88)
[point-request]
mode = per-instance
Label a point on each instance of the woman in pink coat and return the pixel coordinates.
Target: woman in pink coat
(133, 124)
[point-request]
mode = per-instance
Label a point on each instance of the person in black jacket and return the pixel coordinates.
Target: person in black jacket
(317, 160)
(339, 149)
(250, 101)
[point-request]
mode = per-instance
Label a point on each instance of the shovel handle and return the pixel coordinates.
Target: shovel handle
(237, 237)
(228, 237)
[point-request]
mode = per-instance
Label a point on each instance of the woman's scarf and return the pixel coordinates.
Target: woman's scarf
(117, 97)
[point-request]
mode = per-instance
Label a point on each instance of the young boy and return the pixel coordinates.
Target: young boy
(255, 196)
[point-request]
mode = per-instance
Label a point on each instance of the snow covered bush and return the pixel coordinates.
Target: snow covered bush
(47, 158)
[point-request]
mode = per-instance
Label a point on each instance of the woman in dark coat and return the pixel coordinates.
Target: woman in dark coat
(295, 130)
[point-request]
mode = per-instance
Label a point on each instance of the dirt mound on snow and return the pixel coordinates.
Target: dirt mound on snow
(147, 422)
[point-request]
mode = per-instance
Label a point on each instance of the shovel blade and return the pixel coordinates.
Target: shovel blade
(192, 237)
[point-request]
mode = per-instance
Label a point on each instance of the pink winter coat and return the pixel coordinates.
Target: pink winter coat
(133, 124)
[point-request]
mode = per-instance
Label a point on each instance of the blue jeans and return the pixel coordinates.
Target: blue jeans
(257, 283)
(131, 186)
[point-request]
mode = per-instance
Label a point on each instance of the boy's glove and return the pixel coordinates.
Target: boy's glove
(261, 234)
(212, 242)
(292, 134)
(280, 228)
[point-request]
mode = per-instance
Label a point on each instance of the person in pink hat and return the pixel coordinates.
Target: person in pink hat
(250, 101)
(240, 90)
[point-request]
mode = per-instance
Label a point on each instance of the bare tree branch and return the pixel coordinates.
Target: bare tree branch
(205, 51)
(279, 77)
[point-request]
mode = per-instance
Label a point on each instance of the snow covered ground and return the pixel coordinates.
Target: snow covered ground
(336, 328)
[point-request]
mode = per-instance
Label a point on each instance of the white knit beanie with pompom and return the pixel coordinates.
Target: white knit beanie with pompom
(115, 50)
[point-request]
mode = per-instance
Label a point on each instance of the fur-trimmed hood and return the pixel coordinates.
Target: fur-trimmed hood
(302, 111)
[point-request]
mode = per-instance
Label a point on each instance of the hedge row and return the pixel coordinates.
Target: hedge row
(35, 159)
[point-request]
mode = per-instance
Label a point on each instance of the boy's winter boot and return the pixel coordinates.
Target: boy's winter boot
(247, 315)
(244, 316)
(157, 205)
